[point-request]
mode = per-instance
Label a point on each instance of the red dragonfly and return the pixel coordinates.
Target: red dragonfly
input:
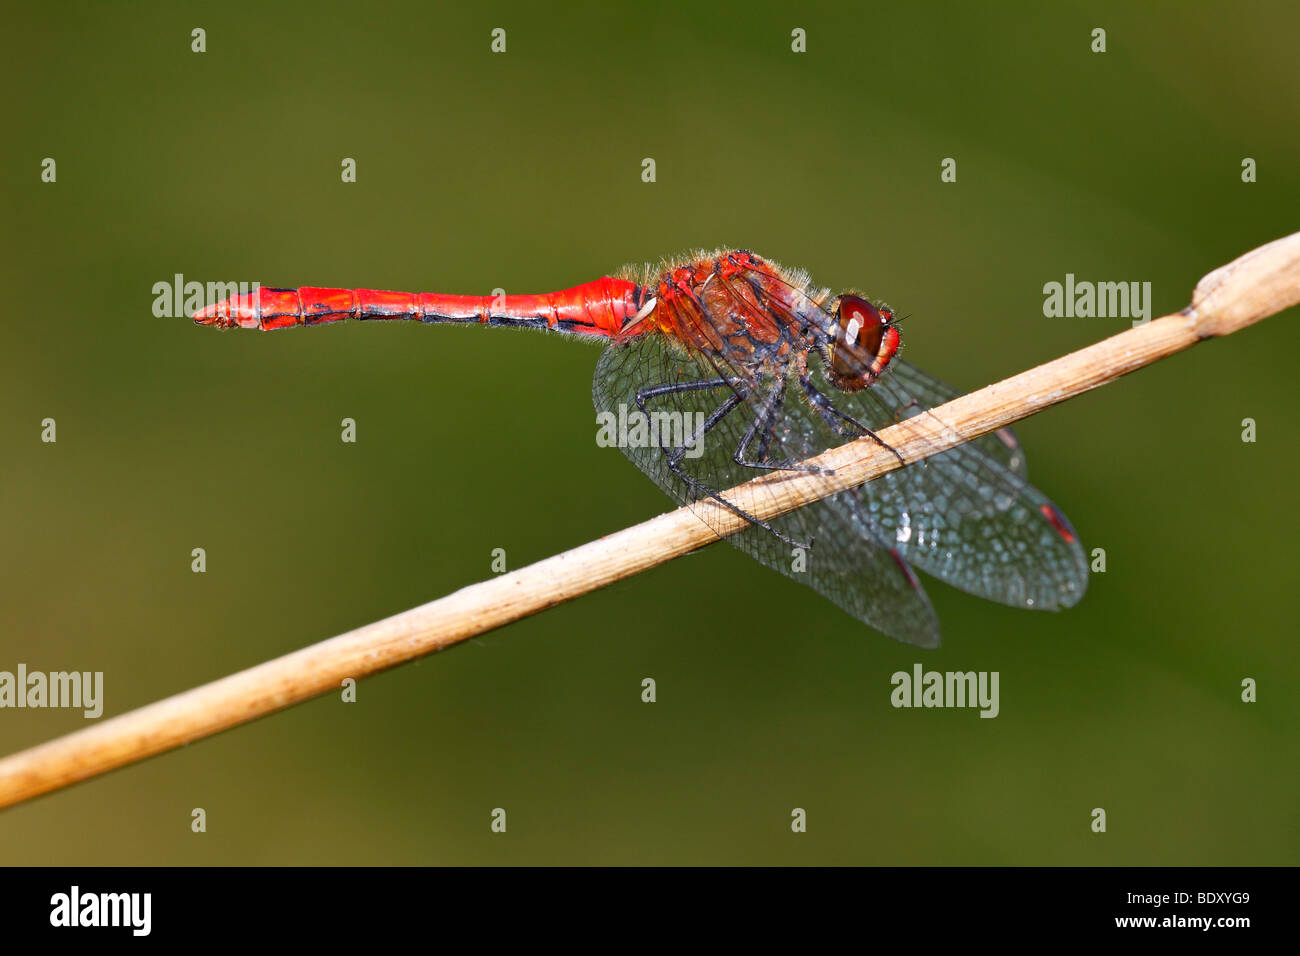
(743, 367)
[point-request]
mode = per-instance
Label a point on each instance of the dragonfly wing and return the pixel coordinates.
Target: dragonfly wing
(833, 546)
(969, 521)
(849, 564)
(908, 391)
(967, 515)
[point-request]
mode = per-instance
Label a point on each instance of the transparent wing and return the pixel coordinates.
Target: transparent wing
(916, 391)
(967, 516)
(831, 546)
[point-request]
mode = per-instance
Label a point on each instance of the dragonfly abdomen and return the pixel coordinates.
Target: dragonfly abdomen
(599, 308)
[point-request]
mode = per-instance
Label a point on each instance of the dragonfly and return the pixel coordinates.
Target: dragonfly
(729, 366)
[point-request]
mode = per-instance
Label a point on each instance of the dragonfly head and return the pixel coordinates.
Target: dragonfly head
(863, 340)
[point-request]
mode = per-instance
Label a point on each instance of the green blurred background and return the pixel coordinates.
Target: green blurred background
(522, 171)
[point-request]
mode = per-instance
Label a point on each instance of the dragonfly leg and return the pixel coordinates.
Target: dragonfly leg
(764, 420)
(644, 395)
(835, 418)
(674, 457)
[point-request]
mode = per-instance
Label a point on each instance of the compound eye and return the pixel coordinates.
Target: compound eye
(859, 329)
